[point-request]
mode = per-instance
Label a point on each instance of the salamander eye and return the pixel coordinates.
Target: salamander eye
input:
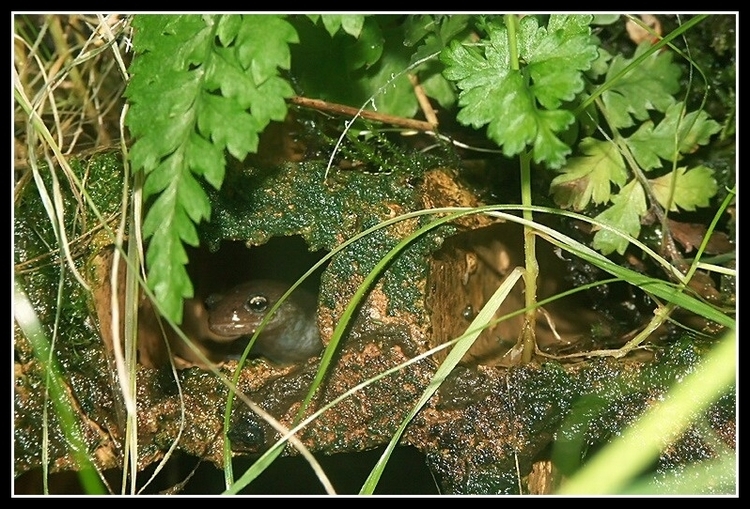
(256, 304)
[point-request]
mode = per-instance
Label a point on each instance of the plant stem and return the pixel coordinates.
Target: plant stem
(668, 244)
(527, 338)
(511, 24)
(528, 333)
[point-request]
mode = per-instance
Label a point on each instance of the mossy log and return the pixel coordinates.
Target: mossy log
(489, 423)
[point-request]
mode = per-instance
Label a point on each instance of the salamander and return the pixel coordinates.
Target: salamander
(290, 336)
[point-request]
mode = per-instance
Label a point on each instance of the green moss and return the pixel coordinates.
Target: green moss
(296, 199)
(67, 319)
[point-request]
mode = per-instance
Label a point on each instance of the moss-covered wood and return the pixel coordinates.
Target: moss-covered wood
(485, 427)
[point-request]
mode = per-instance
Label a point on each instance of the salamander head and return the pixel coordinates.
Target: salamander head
(290, 336)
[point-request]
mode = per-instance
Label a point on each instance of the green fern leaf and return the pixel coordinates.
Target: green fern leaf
(650, 144)
(694, 188)
(182, 126)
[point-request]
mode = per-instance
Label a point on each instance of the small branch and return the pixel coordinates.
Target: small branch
(424, 103)
(341, 109)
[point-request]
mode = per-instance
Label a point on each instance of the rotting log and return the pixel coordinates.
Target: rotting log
(488, 424)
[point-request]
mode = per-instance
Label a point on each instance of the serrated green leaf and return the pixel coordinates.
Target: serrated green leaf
(167, 34)
(207, 159)
(353, 23)
(193, 199)
(185, 228)
(331, 22)
(547, 146)
(263, 45)
(646, 150)
(492, 93)
(350, 23)
(266, 102)
(163, 175)
(228, 126)
(650, 144)
(228, 28)
(159, 213)
(600, 65)
(437, 32)
(694, 188)
(161, 112)
(442, 27)
(625, 214)
(696, 129)
(589, 177)
(557, 57)
(168, 278)
(165, 215)
(180, 64)
(651, 85)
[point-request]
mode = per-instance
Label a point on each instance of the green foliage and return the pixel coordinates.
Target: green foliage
(673, 136)
(206, 85)
(521, 84)
(522, 106)
(342, 69)
(649, 85)
(200, 85)
(367, 47)
(631, 94)
(692, 188)
(591, 176)
(349, 23)
(588, 177)
(203, 85)
(649, 144)
(431, 33)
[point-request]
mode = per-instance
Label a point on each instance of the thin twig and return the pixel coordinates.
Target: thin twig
(342, 109)
(424, 102)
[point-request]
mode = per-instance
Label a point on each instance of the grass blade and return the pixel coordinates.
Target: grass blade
(640, 444)
(457, 352)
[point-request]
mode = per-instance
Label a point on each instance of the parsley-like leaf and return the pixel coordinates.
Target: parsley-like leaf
(694, 188)
(588, 178)
(648, 86)
(625, 213)
(521, 106)
(649, 144)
